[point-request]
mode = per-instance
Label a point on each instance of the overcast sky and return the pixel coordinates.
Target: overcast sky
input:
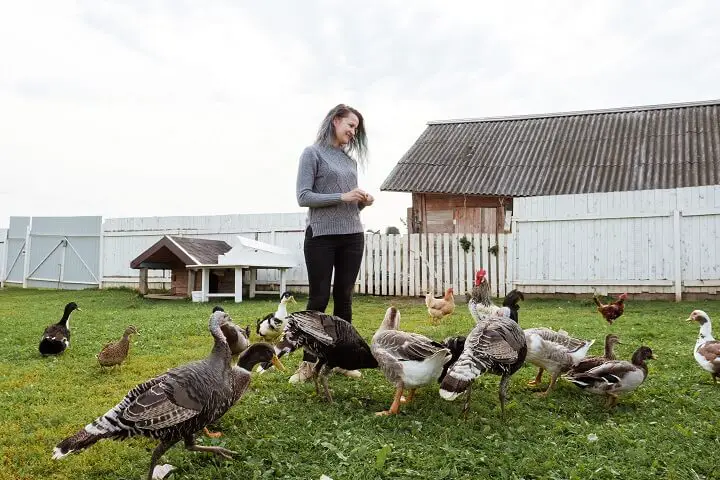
(178, 107)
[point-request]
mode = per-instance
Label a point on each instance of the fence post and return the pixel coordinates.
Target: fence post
(26, 258)
(677, 252)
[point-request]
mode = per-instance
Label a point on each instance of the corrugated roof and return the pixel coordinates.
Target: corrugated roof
(625, 149)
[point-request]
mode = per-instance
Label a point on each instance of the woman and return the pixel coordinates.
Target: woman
(334, 238)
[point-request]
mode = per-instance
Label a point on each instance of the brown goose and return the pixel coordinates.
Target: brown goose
(591, 362)
(497, 345)
(707, 349)
(115, 353)
(56, 337)
(177, 404)
(408, 360)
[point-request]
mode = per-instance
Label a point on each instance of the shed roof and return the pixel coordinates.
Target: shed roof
(623, 149)
(189, 251)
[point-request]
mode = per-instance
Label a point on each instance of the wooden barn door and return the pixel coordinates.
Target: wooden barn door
(475, 220)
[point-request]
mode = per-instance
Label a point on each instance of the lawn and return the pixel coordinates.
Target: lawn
(668, 428)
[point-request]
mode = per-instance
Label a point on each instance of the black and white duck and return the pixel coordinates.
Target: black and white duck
(56, 337)
(176, 405)
(615, 376)
(334, 341)
(408, 360)
(272, 325)
(707, 349)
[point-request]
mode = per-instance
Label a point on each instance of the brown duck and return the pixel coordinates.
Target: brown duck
(115, 353)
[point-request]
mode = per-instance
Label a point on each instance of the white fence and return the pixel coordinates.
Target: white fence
(126, 238)
(658, 241)
(410, 265)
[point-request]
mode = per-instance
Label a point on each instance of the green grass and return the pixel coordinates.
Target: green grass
(668, 428)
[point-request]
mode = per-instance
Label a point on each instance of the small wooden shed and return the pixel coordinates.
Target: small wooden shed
(177, 254)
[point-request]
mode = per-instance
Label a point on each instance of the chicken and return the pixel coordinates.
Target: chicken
(613, 310)
(440, 307)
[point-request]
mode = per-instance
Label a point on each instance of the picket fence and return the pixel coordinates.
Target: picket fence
(415, 264)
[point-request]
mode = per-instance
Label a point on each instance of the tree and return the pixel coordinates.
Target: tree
(392, 231)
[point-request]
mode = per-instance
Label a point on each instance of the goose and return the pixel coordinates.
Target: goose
(334, 341)
(56, 337)
(175, 405)
(707, 349)
(497, 345)
(272, 325)
(237, 338)
(115, 353)
(408, 360)
(555, 352)
(615, 376)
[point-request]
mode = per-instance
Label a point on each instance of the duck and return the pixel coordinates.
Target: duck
(115, 353)
(56, 337)
(177, 404)
(555, 352)
(334, 341)
(496, 344)
(614, 377)
(408, 360)
(707, 349)
(272, 325)
(591, 362)
(238, 338)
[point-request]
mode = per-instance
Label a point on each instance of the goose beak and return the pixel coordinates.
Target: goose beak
(653, 356)
(79, 309)
(276, 361)
(689, 319)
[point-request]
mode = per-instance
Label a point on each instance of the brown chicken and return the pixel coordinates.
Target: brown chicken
(613, 310)
(440, 307)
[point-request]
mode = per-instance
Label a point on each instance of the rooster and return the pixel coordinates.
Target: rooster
(440, 307)
(613, 310)
(480, 303)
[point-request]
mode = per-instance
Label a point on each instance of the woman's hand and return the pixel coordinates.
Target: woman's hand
(354, 195)
(369, 199)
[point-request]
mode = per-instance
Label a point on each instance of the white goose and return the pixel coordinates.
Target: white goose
(408, 360)
(707, 349)
(553, 351)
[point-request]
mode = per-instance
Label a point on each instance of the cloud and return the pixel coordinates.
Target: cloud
(188, 107)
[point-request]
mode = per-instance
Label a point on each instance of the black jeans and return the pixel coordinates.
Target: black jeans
(343, 253)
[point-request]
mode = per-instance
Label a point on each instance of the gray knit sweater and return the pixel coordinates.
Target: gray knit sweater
(325, 173)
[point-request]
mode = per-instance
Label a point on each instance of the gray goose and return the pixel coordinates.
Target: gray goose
(408, 360)
(176, 405)
(56, 337)
(237, 338)
(497, 345)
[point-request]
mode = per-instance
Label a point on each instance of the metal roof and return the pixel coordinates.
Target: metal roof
(624, 149)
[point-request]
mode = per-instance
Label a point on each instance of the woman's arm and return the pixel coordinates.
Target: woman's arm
(305, 181)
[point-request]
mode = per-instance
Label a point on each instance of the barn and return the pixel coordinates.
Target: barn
(623, 199)
(465, 175)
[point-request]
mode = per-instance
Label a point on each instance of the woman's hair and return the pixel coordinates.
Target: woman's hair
(326, 132)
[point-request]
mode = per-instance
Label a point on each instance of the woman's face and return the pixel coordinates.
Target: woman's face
(345, 128)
